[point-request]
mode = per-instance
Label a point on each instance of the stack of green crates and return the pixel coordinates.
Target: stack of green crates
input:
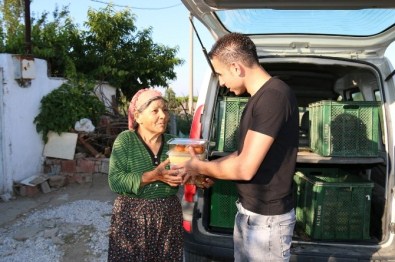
(229, 111)
(223, 204)
(345, 129)
(332, 204)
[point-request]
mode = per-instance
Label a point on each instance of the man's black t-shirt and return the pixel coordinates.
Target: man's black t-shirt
(272, 111)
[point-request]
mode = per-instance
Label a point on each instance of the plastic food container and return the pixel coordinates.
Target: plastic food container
(181, 145)
(180, 157)
(179, 153)
(179, 149)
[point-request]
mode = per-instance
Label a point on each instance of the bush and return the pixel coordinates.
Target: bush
(62, 107)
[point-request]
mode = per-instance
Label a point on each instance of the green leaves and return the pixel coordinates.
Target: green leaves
(125, 57)
(108, 47)
(64, 106)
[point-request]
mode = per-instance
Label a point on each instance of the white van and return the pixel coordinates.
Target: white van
(331, 53)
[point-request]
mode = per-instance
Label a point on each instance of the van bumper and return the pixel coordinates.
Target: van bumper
(220, 248)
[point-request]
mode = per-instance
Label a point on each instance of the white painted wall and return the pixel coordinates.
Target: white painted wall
(21, 154)
(105, 93)
(22, 146)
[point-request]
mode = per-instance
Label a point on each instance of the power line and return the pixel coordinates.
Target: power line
(141, 8)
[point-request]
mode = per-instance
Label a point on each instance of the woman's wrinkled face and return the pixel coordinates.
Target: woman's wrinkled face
(154, 117)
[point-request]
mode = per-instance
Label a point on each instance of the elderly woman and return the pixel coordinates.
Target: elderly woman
(146, 224)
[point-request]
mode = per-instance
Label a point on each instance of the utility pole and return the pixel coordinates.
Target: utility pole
(190, 98)
(28, 38)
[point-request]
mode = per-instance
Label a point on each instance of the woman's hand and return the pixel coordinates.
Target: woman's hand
(172, 177)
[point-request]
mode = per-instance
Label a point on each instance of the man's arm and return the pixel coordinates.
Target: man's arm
(232, 155)
(235, 167)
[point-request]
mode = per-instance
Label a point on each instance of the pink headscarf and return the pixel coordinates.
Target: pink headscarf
(138, 100)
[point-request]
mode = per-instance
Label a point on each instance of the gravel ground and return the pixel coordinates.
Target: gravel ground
(75, 231)
(68, 224)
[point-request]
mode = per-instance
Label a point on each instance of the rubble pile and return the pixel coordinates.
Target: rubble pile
(99, 142)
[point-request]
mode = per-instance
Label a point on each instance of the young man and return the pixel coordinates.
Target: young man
(263, 167)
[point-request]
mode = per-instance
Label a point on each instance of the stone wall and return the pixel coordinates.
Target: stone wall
(78, 170)
(60, 172)
(89, 165)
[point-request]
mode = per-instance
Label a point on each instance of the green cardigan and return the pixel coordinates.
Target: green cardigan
(129, 160)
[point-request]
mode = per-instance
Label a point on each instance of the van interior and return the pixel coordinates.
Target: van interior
(340, 189)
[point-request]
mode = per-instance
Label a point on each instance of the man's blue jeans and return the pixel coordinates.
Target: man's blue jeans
(262, 238)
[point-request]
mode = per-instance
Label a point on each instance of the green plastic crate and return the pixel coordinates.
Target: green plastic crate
(300, 188)
(345, 129)
(229, 111)
(223, 204)
(332, 204)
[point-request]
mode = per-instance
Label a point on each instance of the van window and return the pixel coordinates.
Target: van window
(357, 96)
(377, 95)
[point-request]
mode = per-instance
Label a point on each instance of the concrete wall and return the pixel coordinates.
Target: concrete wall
(22, 146)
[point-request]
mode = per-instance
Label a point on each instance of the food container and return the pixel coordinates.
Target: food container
(180, 157)
(179, 149)
(179, 153)
(181, 145)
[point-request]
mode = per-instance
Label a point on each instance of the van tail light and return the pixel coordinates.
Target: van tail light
(189, 192)
(188, 206)
(196, 127)
(195, 132)
(187, 225)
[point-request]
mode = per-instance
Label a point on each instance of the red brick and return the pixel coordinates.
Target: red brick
(97, 166)
(68, 166)
(85, 166)
(28, 191)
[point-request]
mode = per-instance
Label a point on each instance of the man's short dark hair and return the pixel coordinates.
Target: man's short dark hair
(235, 47)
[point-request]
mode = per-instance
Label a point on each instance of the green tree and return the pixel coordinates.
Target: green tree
(176, 106)
(12, 17)
(116, 52)
(170, 96)
(109, 48)
(55, 40)
(51, 41)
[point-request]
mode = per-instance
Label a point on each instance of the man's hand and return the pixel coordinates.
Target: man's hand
(192, 175)
(206, 182)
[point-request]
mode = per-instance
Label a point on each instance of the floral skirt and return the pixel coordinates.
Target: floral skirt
(146, 230)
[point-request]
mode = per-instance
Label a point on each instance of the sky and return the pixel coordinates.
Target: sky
(171, 27)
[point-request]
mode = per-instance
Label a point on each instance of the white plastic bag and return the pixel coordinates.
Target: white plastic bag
(84, 125)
